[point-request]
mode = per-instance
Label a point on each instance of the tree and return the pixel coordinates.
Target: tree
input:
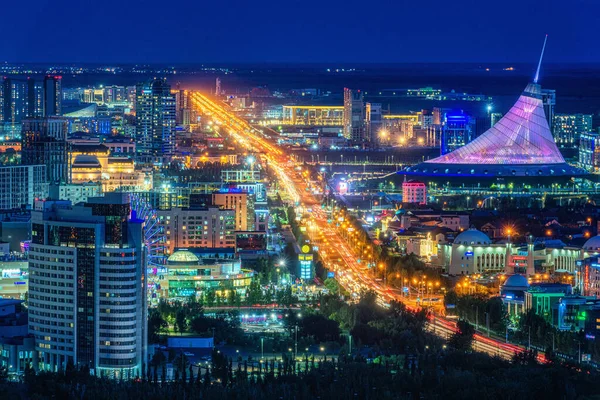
(321, 328)
(156, 325)
(180, 321)
(254, 292)
(463, 338)
(209, 297)
(331, 285)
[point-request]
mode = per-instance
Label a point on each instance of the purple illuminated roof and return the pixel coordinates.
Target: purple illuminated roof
(522, 136)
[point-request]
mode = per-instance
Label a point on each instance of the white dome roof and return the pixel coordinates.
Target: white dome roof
(183, 256)
(516, 281)
(472, 237)
(593, 244)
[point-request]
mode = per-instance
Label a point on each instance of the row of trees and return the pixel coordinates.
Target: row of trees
(434, 374)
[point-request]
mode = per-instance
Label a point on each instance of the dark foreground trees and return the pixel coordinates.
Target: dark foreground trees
(439, 374)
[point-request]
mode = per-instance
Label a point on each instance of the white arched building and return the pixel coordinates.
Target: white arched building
(473, 252)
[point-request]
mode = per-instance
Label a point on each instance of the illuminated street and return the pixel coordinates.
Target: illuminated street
(337, 255)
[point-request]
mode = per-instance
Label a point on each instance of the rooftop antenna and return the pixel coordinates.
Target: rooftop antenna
(537, 73)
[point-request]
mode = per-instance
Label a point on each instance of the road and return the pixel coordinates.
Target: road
(336, 253)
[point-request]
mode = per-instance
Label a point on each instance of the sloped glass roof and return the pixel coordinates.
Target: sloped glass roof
(522, 136)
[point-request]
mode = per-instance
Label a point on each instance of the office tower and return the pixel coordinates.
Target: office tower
(87, 286)
(589, 151)
(181, 104)
(241, 202)
(18, 96)
(155, 122)
(218, 87)
(354, 116)
(44, 142)
(20, 185)
(206, 227)
(374, 121)
(548, 102)
(456, 131)
(52, 96)
(569, 127)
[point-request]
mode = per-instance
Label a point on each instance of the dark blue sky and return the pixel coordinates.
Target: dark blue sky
(176, 31)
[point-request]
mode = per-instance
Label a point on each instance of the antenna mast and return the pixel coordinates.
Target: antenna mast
(537, 73)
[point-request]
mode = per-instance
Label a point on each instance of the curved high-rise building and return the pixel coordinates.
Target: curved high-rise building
(87, 287)
(519, 144)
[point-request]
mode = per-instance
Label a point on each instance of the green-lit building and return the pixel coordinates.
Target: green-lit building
(191, 272)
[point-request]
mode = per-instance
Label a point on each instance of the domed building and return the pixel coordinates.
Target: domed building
(191, 273)
(473, 252)
(592, 246)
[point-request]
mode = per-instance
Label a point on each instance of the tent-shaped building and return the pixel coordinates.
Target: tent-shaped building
(520, 144)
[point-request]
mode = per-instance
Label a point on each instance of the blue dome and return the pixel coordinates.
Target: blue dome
(472, 237)
(593, 244)
(516, 281)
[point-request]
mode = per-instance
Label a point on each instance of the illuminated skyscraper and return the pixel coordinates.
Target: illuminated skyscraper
(589, 151)
(456, 131)
(52, 96)
(155, 122)
(44, 142)
(218, 87)
(354, 117)
(549, 101)
(87, 286)
(568, 128)
(18, 95)
(374, 121)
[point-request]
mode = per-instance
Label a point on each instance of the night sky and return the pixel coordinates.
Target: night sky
(201, 31)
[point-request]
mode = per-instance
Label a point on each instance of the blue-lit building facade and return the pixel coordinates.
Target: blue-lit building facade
(589, 151)
(456, 131)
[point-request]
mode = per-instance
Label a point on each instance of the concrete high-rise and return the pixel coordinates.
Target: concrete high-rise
(52, 96)
(155, 122)
(18, 99)
(549, 102)
(354, 117)
(241, 202)
(87, 286)
(218, 87)
(44, 142)
(373, 121)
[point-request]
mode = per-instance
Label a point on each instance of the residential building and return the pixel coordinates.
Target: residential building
(21, 185)
(568, 128)
(241, 202)
(414, 192)
(87, 286)
(209, 227)
(18, 99)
